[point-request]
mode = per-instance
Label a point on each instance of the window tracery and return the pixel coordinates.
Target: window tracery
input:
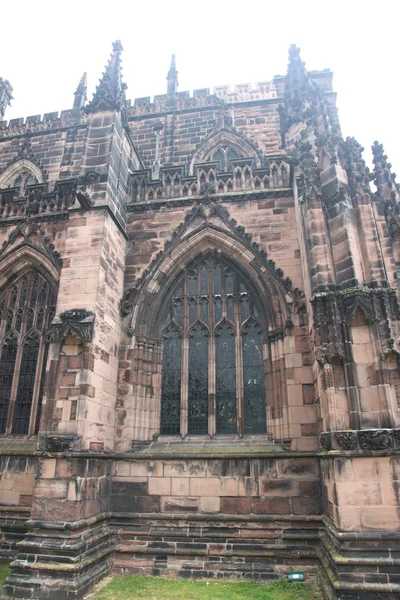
(223, 156)
(212, 360)
(26, 309)
(22, 181)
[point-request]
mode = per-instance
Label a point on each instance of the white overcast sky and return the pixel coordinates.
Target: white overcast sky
(46, 46)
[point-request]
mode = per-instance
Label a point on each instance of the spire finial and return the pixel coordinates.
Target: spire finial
(172, 78)
(110, 93)
(5, 96)
(384, 179)
(80, 93)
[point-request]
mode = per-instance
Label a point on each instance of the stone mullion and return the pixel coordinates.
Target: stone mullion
(185, 363)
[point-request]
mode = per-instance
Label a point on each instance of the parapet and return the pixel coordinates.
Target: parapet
(35, 123)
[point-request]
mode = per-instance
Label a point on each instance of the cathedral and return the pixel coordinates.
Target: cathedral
(199, 340)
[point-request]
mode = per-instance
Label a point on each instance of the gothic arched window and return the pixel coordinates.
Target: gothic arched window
(26, 309)
(22, 181)
(212, 361)
(224, 156)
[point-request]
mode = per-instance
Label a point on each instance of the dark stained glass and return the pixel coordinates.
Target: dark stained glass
(13, 296)
(192, 284)
(7, 363)
(203, 280)
(253, 380)
(218, 309)
(21, 355)
(178, 311)
(225, 379)
(24, 292)
(29, 319)
(204, 310)
(210, 303)
(198, 381)
(217, 279)
(34, 293)
(27, 375)
(192, 311)
(230, 308)
(244, 307)
(171, 383)
(18, 321)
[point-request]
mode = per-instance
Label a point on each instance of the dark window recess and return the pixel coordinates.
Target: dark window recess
(212, 306)
(26, 309)
(198, 380)
(171, 382)
(253, 380)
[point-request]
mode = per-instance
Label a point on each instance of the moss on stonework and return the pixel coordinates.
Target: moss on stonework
(234, 448)
(17, 447)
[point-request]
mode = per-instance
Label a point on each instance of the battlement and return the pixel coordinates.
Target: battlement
(36, 123)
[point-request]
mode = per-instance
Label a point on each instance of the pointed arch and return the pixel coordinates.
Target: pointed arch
(9, 176)
(149, 313)
(28, 292)
(234, 140)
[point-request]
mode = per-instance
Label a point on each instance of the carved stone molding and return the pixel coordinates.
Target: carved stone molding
(375, 439)
(346, 440)
(56, 443)
(396, 437)
(362, 439)
(325, 441)
(77, 323)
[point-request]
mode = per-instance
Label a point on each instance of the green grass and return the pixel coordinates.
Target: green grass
(156, 588)
(4, 572)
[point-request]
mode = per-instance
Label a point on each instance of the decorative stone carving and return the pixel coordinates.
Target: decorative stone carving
(325, 441)
(346, 440)
(209, 210)
(57, 443)
(30, 234)
(78, 323)
(396, 436)
(375, 439)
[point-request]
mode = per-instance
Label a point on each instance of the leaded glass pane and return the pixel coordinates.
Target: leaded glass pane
(204, 310)
(7, 364)
(192, 284)
(18, 321)
(230, 308)
(217, 279)
(34, 294)
(228, 281)
(13, 296)
(198, 381)
(203, 280)
(218, 309)
(27, 375)
(225, 379)
(253, 380)
(244, 307)
(24, 292)
(192, 311)
(178, 311)
(171, 383)
(23, 315)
